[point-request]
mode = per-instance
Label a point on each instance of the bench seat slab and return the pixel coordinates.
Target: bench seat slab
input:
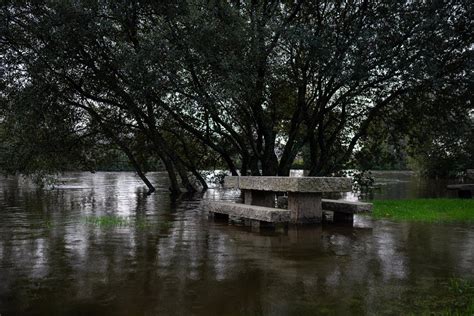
(349, 207)
(466, 187)
(253, 212)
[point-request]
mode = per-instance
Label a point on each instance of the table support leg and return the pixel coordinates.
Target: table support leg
(465, 194)
(305, 208)
(340, 217)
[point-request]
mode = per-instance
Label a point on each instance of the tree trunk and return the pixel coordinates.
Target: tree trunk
(184, 177)
(110, 133)
(254, 166)
(284, 169)
(140, 173)
(174, 188)
(244, 167)
(270, 164)
(201, 180)
(230, 164)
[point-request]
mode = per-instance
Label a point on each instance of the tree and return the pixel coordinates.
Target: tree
(444, 147)
(253, 82)
(272, 77)
(77, 52)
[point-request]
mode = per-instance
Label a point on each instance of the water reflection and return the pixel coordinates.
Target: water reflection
(407, 185)
(52, 261)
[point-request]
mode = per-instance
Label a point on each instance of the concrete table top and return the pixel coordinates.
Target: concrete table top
(290, 184)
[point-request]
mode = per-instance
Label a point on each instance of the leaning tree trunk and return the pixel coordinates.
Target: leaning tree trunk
(110, 133)
(201, 180)
(174, 188)
(184, 177)
(140, 173)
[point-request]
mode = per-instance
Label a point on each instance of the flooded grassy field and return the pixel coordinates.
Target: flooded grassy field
(96, 244)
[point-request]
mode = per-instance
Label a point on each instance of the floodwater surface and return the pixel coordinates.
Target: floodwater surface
(96, 244)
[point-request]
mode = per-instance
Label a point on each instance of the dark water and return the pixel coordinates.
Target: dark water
(405, 185)
(169, 259)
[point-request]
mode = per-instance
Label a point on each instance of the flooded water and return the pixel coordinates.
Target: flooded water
(58, 255)
(406, 185)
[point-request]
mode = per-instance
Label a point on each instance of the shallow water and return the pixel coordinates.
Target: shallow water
(169, 259)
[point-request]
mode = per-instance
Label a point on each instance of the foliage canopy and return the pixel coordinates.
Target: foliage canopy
(251, 85)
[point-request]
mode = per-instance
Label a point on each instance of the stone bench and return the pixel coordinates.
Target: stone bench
(464, 190)
(470, 174)
(341, 210)
(259, 215)
(346, 206)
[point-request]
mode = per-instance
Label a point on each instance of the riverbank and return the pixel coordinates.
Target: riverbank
(426, 210)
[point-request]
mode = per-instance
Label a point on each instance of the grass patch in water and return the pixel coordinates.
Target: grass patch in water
(457, 300)
(166, 225)
(108, 221)
(427, 210)
(47, 224)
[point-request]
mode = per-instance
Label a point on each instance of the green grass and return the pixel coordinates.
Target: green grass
(426, 210)
(108, 221)
(457, 300)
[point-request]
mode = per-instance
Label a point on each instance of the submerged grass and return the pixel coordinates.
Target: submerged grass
(108, 221)
(427, 210)
(458, 299)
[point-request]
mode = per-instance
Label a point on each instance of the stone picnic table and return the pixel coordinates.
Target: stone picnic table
(305, 203)
(304, 193)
